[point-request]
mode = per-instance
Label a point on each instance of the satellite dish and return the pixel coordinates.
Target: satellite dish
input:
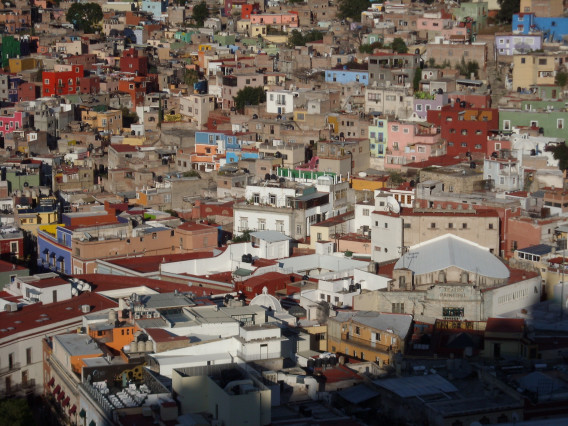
(362, 174)
(392, 204)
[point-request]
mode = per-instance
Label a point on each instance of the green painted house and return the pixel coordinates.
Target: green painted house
(552, 123)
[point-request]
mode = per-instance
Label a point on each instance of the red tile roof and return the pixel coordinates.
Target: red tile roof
(505, 325)
(124, 147)
(190, 226)
(8, 266)
(339, 374)
(144, 264)
(103, 282)
(40, 315)
(159, 335)
(48, 282)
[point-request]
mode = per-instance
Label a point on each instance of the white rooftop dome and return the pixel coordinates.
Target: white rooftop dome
(267, 301)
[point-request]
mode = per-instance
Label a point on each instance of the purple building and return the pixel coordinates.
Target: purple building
(508, 44)
(422, 106)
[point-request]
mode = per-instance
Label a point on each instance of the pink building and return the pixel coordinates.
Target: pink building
(9, 124)
(410, 142)
(289, 19)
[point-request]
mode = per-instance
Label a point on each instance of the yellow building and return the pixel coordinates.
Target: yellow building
(134, 140)
(105, 121)
(258, 30)
(18, 65)
(533, 69)
(368, 335)
(30, 219)
(318, 337)
(368, 183)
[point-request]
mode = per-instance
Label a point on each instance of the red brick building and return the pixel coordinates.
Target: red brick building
(66, 81)
(132, 62)
(87, 60)
(90, 84)
(466, 129)
(28, 92)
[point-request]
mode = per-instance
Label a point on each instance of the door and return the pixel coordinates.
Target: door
(497, 350)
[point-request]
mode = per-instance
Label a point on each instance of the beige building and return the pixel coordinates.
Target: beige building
(543, 8)
(533, 69)
(196, 108)
(106, 122)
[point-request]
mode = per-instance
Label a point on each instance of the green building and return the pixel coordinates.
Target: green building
(552, 123)
(10, 49)
(9, 271)
(477, 12)
(21, 180)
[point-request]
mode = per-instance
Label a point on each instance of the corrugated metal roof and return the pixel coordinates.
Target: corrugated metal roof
(450, 250)
(408, 387)
(539, 249)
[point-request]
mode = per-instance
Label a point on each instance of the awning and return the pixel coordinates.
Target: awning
(57, 389)
(61, 396)
(51, 382)
(66, 402)
(73, 409)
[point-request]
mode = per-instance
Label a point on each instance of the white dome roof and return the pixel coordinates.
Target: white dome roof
(267, 301)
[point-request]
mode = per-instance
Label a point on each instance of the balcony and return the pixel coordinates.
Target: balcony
(363, 343)
(10, 369)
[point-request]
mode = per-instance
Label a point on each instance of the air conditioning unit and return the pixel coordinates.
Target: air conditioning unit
(149, 315)
(136, 316)
(156, 314)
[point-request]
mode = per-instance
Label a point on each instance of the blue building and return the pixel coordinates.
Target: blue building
(234, 156)
(345, 75)
(552, 29)
(54, 248)
(223, 141)
(156, 8)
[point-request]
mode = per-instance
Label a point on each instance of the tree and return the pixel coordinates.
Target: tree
(370, 48)
(200, 13)
(417, 78)
(399, 46)
(468, 68)
(190, 77)
(128, 117)
(560, 153)
(507, 8)
(15, 412)
(352, 9)
(84, 16)
(561, 78)
(296, 38)
(243, 238)
(249, 96)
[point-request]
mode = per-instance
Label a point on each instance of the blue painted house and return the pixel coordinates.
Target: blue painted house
(54, 248)
(552, 28)
(156, 8)
(345, 75)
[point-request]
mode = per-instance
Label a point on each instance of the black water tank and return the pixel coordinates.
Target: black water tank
(351, 288)
(267, 176)
(462, 104)
(244, 258)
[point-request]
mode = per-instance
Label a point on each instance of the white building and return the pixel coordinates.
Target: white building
(449, 277)
(280, 101)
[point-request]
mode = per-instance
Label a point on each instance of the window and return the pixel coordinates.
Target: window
(450, 225)
(261, 224)
(394, 128)
(28, 356)
(365, 212)
(490, 226)
(506, 124)
(464, 225)
(432, 225)
(256, 198)
(14, 247)
(272, 198)
(560, 123)
(357, 330)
